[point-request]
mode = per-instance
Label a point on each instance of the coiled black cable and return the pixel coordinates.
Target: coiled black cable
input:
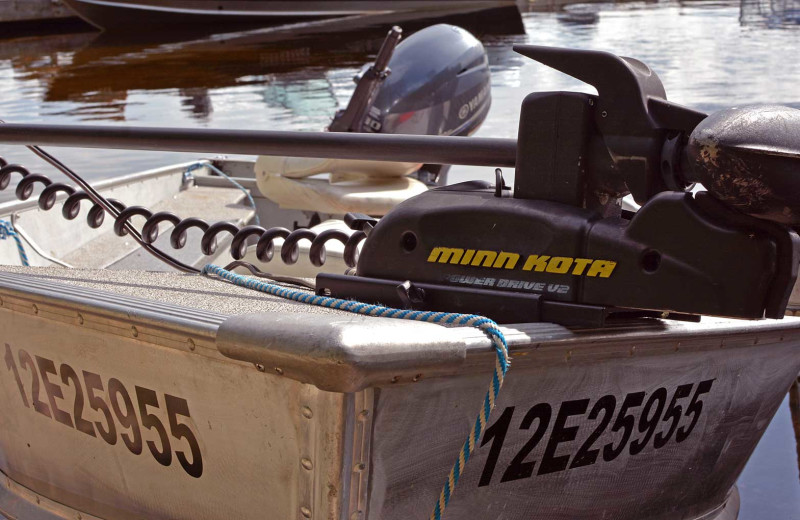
(265, 246)
(47, 198)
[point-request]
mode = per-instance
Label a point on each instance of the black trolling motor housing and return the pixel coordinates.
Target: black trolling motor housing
(559, 248)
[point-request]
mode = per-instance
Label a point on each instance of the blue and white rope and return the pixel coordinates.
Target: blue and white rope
(7, 230)
(486, 325)
(197, 166)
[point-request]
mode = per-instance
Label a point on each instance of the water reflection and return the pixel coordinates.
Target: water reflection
(197, 102)
(305, 70)
(295, 78)
(770, 13)
(93, 81)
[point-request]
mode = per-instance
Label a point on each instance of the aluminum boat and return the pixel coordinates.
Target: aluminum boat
(131, 392)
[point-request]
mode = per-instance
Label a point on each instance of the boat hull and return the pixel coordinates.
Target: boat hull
(300, 415)
(142, 15)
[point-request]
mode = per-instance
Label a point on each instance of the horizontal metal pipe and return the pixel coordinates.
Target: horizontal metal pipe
(475, 151)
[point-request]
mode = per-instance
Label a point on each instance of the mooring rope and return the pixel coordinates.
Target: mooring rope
(486, 325)
(198, 165)
(7, 230)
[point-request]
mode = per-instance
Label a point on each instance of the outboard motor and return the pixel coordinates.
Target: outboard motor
(439, 85)
(436, 83)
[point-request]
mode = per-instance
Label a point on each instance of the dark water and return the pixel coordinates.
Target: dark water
(708, 55)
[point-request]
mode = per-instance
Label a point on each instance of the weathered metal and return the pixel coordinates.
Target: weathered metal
(329, 415)
(748, 158)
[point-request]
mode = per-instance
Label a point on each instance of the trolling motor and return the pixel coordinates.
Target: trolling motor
(559, 248)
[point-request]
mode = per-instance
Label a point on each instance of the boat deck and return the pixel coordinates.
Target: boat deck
(188, 291)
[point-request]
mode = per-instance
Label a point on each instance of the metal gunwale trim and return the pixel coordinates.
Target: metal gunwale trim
(341, 353)
(105, 184)
(331, 354)
(89, 293)
(349, 353)
(140, 303)
(124, 308)
(645, 338)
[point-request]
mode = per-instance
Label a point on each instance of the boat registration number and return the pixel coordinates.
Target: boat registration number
(113, 414)
(638, 420)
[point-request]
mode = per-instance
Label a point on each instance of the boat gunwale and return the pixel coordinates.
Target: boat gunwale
(356, 7)
(345, 353)
(16, 206)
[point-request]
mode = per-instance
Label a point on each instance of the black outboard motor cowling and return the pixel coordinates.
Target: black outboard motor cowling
(439, 85)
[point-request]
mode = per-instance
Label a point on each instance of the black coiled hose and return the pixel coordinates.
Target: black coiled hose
(47, 198)
(265, 248)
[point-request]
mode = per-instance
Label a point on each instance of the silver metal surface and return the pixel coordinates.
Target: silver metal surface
(680, 480)
(109, 184)
(153, 294)
(341, 353)
(61, 237)
(335, 416)
(250, 427)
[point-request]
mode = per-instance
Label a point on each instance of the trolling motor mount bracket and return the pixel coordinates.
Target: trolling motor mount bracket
(560, 248)
(611, 144)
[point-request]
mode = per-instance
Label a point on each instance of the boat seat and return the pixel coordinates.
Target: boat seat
(336, 186)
